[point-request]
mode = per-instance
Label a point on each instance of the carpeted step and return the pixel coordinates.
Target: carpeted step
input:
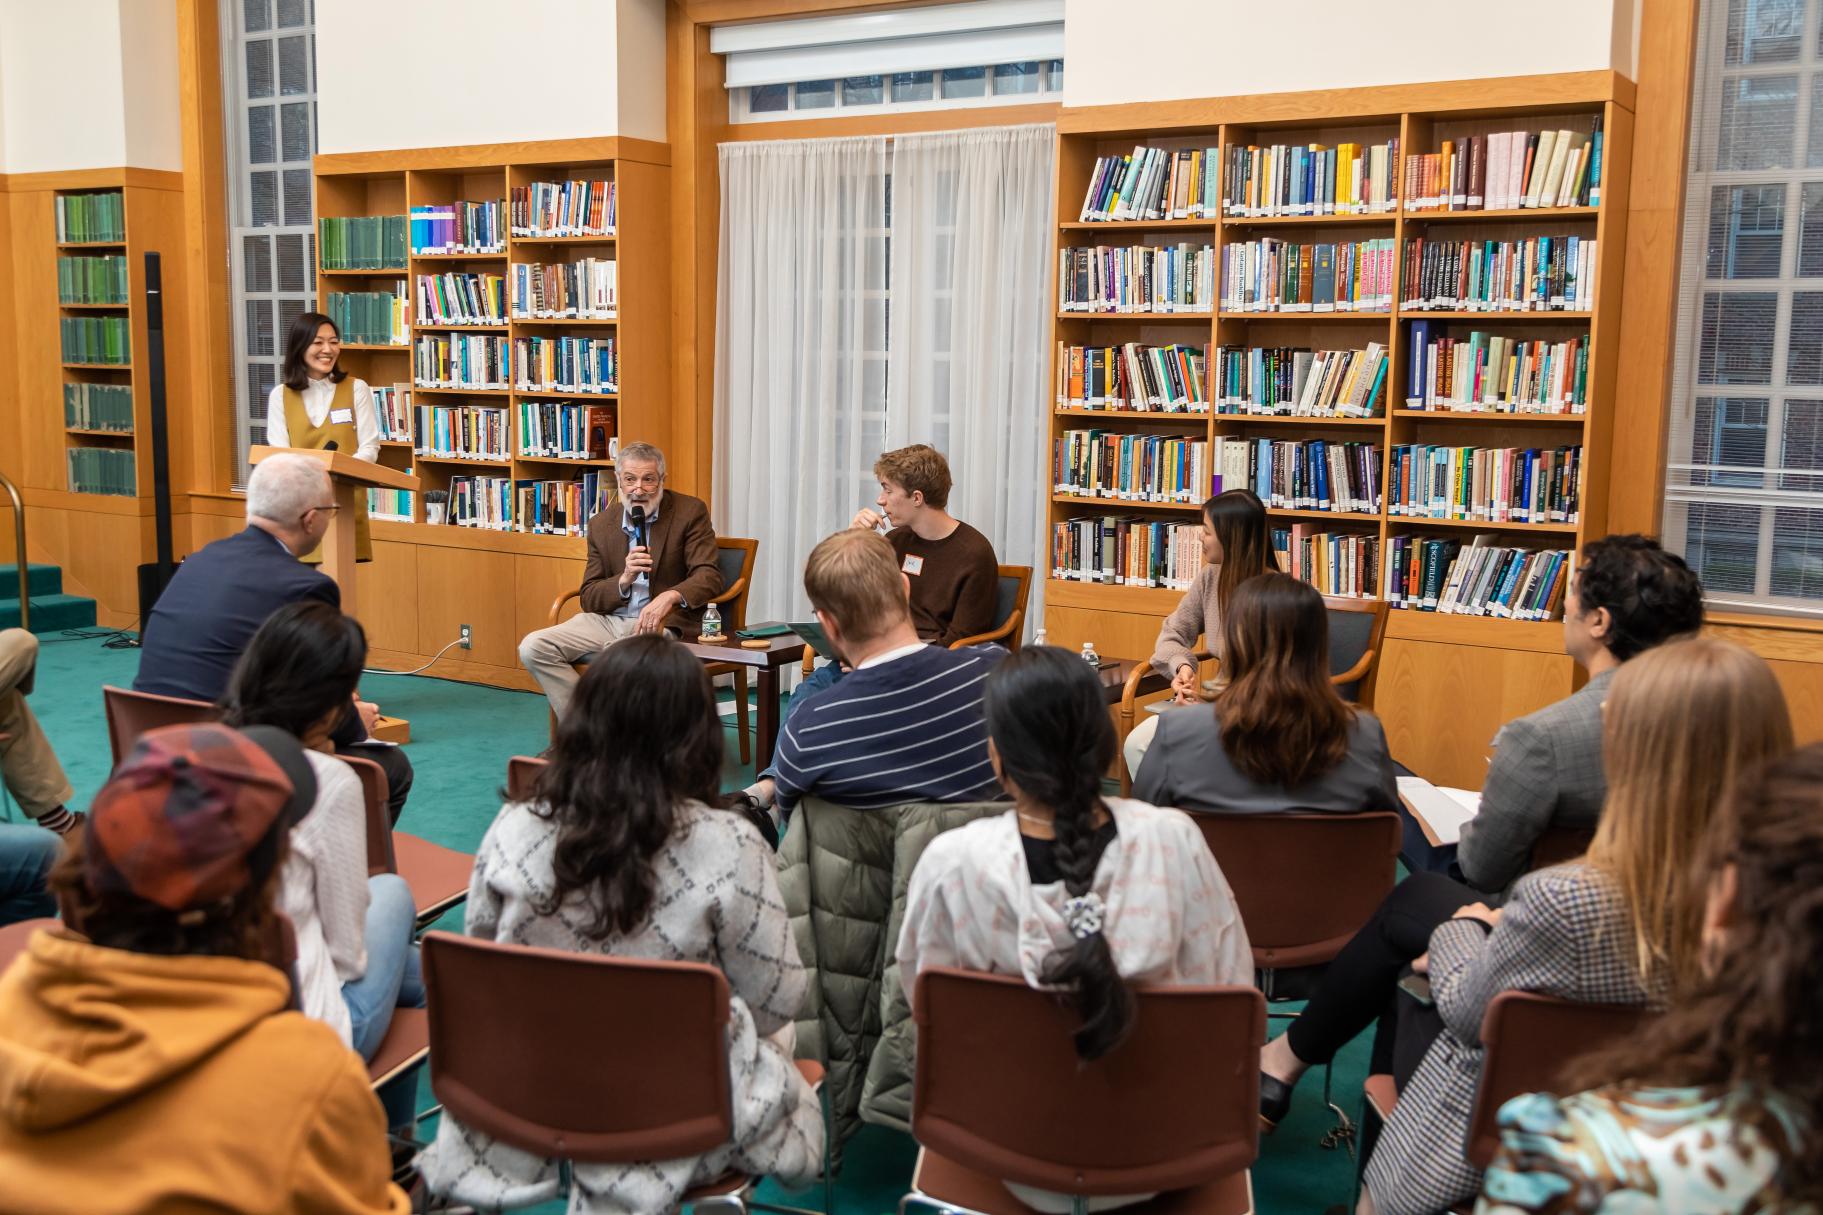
(51, 613)
(39, 578)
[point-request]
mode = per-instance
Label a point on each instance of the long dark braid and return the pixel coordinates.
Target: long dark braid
(1049, 723)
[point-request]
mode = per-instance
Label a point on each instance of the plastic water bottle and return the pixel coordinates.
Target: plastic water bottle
(712, 623)
(1038, 638)
(1090, 656)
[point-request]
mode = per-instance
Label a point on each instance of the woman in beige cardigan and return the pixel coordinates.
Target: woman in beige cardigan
(1237, 544)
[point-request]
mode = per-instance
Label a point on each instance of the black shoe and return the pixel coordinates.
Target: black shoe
(1275, 1101)
(746, 804)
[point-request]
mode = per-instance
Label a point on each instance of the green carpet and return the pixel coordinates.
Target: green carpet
(462, 736)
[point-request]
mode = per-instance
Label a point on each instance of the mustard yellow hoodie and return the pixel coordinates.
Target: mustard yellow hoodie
(136, 1083)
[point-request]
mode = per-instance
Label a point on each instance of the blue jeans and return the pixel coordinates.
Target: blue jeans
(824, 676)
(26, 856)
(394, 979)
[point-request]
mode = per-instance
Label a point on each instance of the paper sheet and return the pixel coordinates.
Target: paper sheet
(1440, 811)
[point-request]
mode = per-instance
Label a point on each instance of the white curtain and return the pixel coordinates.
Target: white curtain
(972, 218)
(800, 350)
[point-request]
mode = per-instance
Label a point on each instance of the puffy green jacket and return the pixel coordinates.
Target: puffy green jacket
(843, 874)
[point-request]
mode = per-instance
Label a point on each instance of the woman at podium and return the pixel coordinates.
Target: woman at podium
(316, 405)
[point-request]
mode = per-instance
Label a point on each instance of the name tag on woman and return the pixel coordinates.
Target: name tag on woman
(341, 415)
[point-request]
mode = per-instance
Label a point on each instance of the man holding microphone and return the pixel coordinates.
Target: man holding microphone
(652, 565)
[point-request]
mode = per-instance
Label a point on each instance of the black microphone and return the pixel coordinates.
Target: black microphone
(638, 515)
(332, 445)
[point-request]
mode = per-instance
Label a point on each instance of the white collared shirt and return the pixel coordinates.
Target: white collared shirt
(882, 659)
(317, 395)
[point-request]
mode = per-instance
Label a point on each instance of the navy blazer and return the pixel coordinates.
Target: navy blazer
(217, 600)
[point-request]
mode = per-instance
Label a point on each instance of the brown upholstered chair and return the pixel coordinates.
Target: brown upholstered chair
(438, 876)
(131, 714)
(405, 1046)
(521, 774)
(999, 1095)
(657, 1029)
(735, 556)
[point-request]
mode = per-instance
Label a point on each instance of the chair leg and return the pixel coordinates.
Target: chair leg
(1342, 1134)
(740, 714)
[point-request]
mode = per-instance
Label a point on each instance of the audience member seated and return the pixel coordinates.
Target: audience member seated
(224, 591)
(26, 856)
(621, 854)
(1718, 1105)
(355, 958)
(28, 766)
(629, 587)
(1237, 545)
(1626, 595)
(1279, 738)
(1618, 926)
(151, 1063)
(906, 725)
(1069, 890)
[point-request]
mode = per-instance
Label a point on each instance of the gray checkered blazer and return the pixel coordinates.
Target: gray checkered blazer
(1546, 772)
(1564, 933)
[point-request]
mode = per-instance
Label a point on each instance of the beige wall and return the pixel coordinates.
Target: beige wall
(559, 69)
(89, 84)
(1226, 48)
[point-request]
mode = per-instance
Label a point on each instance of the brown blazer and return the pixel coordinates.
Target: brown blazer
(683, 560)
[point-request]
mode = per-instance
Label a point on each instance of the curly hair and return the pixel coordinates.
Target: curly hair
(1650, 594)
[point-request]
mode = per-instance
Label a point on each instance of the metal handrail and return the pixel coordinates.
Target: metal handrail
(25, 599)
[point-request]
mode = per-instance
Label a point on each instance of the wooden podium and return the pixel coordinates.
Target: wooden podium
(349, 479)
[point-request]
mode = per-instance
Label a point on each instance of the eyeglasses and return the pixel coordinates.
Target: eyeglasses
(648, 481)
(323, 509)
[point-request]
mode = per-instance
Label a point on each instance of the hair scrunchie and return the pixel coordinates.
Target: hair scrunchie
(1083, 915)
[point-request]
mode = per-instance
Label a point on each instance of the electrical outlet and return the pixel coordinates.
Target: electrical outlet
(468, 638)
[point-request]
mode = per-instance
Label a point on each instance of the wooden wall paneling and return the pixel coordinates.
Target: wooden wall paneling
(1606, 346)
(1441, 704)
(207, 333)
(391, 161)
(448, 582)
(156, 225)
(41, 463)
(644, 273)
(894, 123)
(537, 581)
(10, 439)
(697, 120)
(388, 590)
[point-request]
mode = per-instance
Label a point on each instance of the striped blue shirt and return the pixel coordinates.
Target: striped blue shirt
(909, 730)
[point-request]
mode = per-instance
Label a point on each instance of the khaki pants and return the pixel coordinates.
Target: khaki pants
(551, 654)
(27, 763)
(1139, 740)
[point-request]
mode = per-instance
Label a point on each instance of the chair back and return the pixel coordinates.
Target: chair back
(131, 714)
(1355, 628)
(522, 776)
(374, 793)
(630, 1061)
(998, 1086)
(735, 556)
(1529, 1040)
(1303, 914)
(1012, 593)
(1560, 844)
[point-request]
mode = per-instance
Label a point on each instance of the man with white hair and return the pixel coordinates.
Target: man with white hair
(224, 591)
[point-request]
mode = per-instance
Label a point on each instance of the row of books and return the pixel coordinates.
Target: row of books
(1496, 484)
(1310, 179)
(563, 208)
(1269, 275)
(1134, 378)
(361, 242)
(566, 364)
(92, 280)
(371, 318)
(96, 339)
(1483, 578)
(1508, 170)
(84, 219)
(1296, 382)
(584, 289)
(1133, 468)
(1137, 278)
(1310, 474)
(1335, 563)
(553, 430)
(1123, 550)
(1536, 274)
(392, 411)
(481, 502)
(562, 508)
(98, 407)
(461, 432)
(461, 299)
(1486, 372)
(459, 227)
(1152, 183)
(389, 505)
(459, 360)
(102, 470)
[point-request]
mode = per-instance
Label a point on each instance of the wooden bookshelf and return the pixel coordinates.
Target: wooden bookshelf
(1123, 620)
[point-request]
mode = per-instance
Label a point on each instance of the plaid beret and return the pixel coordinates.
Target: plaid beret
(195, 813)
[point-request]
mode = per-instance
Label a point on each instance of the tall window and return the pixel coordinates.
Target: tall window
(269, 84)
(1744, 484)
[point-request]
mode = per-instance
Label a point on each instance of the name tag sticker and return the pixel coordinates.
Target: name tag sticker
(913, 565)
(341, 415)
